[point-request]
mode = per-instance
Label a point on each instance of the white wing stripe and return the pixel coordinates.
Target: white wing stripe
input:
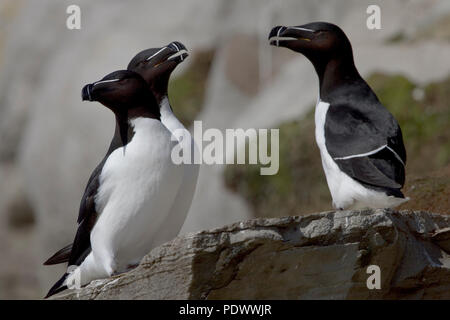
(396, 155)
(361, 154)
(370, 153)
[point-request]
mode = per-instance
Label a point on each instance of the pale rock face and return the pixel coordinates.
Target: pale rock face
(319, 256)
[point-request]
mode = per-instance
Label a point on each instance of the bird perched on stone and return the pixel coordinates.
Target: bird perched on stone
(156, 65)
(130, 193)
(360, 141)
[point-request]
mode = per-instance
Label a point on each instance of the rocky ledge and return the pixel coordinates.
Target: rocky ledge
(329, 255)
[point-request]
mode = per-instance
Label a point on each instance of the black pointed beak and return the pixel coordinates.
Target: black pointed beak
(274, 34)
(280, 36)
(177, 46)
(86, 93)
(179, 51)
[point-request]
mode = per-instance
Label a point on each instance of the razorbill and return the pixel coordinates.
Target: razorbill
(155, 65)
(130, 193)
(360, 142)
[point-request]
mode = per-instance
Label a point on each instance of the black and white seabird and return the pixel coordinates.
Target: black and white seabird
(130, 193)
(155, 65)
(360, 142)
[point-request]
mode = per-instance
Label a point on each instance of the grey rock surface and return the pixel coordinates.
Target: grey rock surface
(319, 256)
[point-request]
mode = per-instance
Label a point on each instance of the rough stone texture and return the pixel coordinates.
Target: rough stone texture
(320, 256)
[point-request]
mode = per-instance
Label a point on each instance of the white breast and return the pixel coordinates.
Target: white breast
(333, 174)
(183, 200)
(137, 190)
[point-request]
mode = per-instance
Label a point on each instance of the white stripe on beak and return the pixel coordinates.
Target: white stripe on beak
(178, 54)
(178, 49)
(278, 37)
(104, 81)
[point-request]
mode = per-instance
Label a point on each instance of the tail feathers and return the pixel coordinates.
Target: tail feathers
(58, 286)
(59, 257)
(395, 202)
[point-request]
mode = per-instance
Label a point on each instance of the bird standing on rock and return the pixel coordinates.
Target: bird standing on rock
(156, 65)
(130, 193)
(360, 141)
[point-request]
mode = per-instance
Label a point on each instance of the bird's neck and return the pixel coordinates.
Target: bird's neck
(123, 131)
(164, 106)
(144, 111)
(160, 88)
(335, 74)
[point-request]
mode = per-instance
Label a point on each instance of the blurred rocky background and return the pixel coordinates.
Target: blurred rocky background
(50, 140)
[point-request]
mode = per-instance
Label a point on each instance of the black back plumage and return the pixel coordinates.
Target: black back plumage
(357, 123)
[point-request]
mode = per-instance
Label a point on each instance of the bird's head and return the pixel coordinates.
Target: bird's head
(318, 41)
(124, 92)
(155, 65)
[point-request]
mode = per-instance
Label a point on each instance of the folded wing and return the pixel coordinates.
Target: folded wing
(368, 146)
